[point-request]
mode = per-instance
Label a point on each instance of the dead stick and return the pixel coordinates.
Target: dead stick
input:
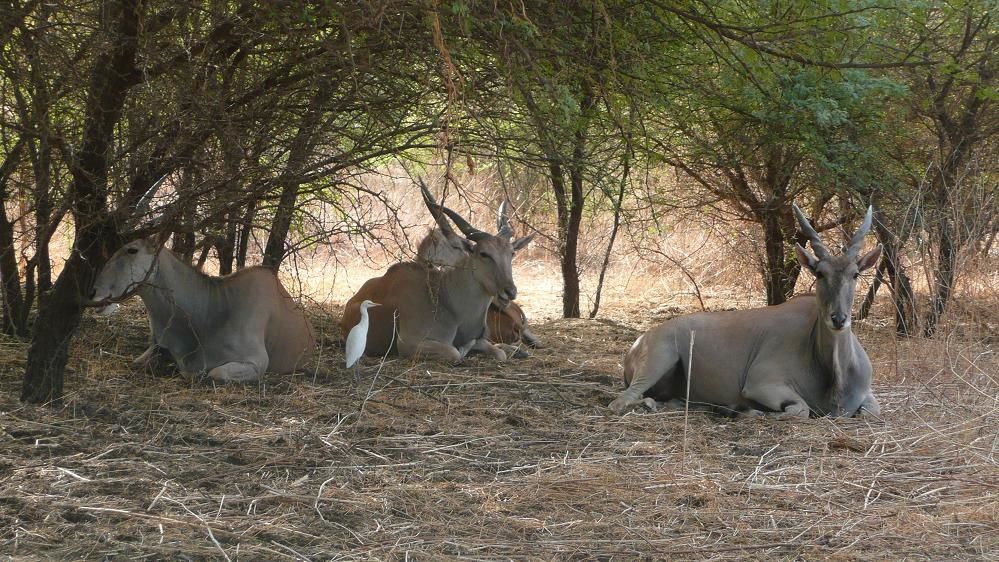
(686, 403)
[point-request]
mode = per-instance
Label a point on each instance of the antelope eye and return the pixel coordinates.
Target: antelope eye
(818, 275)
(856, 275)
(133, 250)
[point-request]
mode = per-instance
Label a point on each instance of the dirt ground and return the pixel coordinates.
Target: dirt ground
(423, 460)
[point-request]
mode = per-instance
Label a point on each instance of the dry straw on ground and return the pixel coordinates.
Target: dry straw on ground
(487, 461)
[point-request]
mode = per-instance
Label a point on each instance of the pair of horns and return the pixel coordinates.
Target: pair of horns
(144, 203)
(821, 252)
(438, 211)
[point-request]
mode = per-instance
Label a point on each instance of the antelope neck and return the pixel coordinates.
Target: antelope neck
(834, 352)
(170, 282)
(459, 286)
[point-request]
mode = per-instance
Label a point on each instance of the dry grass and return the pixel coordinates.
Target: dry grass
(484, 461)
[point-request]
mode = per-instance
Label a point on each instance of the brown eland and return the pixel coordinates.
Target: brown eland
(438, 311)
(795, 358)
(233, 328)
(442, 247)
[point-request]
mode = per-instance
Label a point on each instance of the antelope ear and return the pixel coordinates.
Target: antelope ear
(806, 260)
(870, 259)
(523, 242)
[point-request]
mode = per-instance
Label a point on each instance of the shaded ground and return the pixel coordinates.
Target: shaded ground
(519, 460)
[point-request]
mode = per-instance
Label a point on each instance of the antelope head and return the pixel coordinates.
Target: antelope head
(835, 275)
(490, 256)
(126, 271)
(448, 246)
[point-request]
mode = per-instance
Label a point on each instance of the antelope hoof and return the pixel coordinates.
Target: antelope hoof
(651, 404)
(622, 404)
(794, 412)
(531, 340)
(514, 352)
(869, 409)
(235, 372)
(868, 413)
(156, 361)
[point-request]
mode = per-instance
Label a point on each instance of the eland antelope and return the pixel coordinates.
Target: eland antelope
(794, 358)
(440, 311)
(442, 247)
(235, 328)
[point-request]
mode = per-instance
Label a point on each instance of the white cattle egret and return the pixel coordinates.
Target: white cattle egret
(357, 339)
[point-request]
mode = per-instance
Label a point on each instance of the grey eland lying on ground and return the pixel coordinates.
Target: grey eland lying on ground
(793, 358)
(443, 247)
(440, 311)
(235, 328)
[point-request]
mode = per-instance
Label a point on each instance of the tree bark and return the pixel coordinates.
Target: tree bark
(59, 315)
(613, 234)
(245, 233)
(14, 321)
(943, 282)
(872, 291)
(569, 209)
(226, 246)
(45, 222)
(780, 272)
(903, 297)
(233, 156)
(298, 156)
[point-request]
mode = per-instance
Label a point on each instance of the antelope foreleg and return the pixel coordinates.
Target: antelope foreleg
(245, 370)
(869, 407)
(236, 371)
(155, 360)
(778, 398)
(433, 348)
(142, 361)
(644, 365)
(530, 339)
(483, 346)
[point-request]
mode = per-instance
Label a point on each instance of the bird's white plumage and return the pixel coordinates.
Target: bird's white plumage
(357, 339)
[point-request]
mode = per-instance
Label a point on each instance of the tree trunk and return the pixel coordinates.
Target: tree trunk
(781, 271)
(903, 297)
(30, 288)
(206, 248)
(298, 156)
(44, 227)
(14, 321)
(944, 278)
(226, 246)
(569, 210)
(245, 233)
(613, 235)
(872, 291)
(233, 156)
(184, 239)
(59, 315)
